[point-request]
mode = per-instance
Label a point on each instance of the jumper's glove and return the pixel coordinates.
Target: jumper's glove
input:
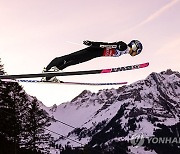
(87, 42)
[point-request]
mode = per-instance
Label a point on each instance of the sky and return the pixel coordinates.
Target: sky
(33, 32)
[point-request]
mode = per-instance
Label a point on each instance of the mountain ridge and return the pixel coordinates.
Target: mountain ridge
(115, 115)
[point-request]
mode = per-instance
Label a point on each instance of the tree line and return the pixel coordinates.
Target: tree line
(22, 121)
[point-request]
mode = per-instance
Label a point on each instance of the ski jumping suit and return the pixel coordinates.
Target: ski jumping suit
(96, 49)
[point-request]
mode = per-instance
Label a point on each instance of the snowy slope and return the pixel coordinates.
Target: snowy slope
(74, 113)
(116, 114)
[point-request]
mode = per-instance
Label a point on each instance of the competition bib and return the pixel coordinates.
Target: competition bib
(109, 52)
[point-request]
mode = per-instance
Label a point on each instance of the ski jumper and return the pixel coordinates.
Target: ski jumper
(96, 49)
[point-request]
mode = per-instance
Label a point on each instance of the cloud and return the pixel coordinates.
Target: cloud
(150, 18)
(158, 13)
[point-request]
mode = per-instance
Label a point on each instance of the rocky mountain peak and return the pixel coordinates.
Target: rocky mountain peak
(114, 115)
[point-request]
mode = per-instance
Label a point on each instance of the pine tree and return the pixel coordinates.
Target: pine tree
(13, 105)
(1, 68)
(37, 120)
(22, 121)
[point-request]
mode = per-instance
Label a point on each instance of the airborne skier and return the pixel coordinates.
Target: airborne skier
(94, 50)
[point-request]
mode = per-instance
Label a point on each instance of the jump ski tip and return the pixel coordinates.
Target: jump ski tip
(144, 65)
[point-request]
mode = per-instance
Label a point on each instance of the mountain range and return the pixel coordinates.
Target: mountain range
(122, 120)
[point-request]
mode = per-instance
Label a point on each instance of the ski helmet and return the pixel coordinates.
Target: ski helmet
(136, 46)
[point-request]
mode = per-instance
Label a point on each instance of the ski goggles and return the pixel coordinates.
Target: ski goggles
(135, 49)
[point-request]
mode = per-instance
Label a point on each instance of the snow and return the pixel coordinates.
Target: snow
(140, 150)
(73, 115)
(89, 109)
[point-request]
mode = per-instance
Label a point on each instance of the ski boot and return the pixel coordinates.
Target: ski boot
(53, 78)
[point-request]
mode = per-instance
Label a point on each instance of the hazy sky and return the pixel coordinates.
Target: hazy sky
(33, 32)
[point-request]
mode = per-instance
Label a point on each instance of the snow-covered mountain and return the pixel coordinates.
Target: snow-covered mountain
(115, 115)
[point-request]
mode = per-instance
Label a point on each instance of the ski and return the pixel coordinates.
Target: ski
(65, 82)
(51, 74)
